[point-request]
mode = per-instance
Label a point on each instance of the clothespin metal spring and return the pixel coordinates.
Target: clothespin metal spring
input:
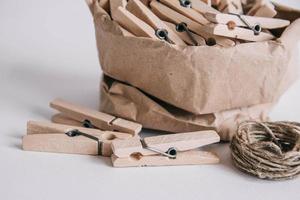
(171, 153)
(162, 34)
(75, 133)
(183, 27)
(186, 3)
(256, 28)
(88, 124)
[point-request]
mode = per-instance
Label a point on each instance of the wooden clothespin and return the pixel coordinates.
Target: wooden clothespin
(95, 119)
(215, 3)
(243, 27)
(207, 2)
(202, 7)
(231, 6)
(114, 5)
(104, 4)
(167, 14)
(175, 149)
(263, 22)
(57, 138)
(141, 11)
(262, 8)
(133, 24)
(185, 8)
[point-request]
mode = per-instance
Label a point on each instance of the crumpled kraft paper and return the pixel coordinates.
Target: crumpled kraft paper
(131, 103)
(200, 80)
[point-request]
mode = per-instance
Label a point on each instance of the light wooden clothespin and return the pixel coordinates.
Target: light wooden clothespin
(263, 22)
(175, 149)
(95, 119)
(57, 138)
(137, 8)
(231, 6)
(114, 5)
(262, 8)
(104, 4)
(243, 27)
(167, 14)
(208, 2)
(202, 7)
(133, 24)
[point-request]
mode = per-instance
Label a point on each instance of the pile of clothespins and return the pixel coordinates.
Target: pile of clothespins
(79, 130)
(196, 22)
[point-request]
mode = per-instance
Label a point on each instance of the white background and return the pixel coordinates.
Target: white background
(47, 50)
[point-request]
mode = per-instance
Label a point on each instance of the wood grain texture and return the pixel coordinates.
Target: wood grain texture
(101, 120)
(63, 119)
(137, 8)
(183, 158)
(61, 143)
(133, 24)
(114, 5)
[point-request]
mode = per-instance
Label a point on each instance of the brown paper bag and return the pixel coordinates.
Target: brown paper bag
(176, 89)
(131, 103)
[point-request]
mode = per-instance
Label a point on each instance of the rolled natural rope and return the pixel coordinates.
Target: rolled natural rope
(269, 150)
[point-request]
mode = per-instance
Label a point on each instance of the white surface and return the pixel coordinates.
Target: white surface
(47, 50)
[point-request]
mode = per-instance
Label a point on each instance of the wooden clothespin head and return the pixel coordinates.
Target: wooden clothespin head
(57, 138)
(174, 149)
(95, 119)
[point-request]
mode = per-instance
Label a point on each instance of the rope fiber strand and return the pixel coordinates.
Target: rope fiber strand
(268, 150)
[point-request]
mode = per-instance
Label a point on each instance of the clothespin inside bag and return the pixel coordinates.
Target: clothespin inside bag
(167, 14)
(133, 24)
(95, 119)
(174, 149)
(185, 8)
(231, 6)
(137, 8)
(202, 8)
(262, 8)
(263, 22)
(114, 5)
(57, 138)
(243, 27)
(207, 2)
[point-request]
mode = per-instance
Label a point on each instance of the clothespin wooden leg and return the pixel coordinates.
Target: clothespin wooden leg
(94, 118)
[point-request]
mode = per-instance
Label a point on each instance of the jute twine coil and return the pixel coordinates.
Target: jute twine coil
(269, 150)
